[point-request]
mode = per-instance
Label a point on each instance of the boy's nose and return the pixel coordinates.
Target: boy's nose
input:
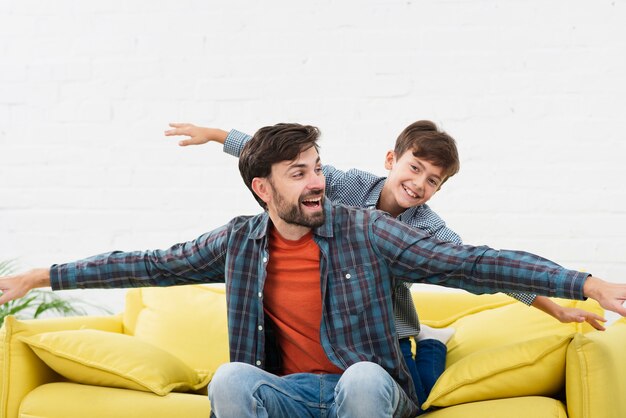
(418, 182)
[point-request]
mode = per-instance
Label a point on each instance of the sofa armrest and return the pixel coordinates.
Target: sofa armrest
(21, 370)
(596, 374)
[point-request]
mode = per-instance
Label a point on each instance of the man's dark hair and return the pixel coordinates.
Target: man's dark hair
(271, 145)
(428, 142)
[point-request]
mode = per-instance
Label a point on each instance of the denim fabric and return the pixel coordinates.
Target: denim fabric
(428, 364)
(239, 390)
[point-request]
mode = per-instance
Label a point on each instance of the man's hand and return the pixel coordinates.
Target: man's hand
(610, 296)
(197, 134)
(18, 285)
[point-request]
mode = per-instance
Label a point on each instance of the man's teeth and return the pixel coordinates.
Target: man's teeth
(311, 202)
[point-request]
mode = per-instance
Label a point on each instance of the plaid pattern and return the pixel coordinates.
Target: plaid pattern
(362, 189)
(361, 254)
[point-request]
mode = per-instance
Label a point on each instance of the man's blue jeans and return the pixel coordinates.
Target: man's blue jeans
(365, 389)
(428, 365)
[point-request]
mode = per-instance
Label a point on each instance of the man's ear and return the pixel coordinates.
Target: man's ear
(262, 188)
(390, 159)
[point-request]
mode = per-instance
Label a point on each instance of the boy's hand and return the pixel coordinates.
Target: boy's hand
(198, 135)
(566, 315)
(18, 285)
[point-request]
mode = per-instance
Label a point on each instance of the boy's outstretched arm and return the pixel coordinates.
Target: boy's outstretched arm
(198, 135)
(566, 314)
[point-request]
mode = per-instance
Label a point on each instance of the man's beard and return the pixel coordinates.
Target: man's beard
(293, 214)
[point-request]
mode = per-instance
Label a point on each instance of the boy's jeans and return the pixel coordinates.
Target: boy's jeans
(239, 390)
(428, 365)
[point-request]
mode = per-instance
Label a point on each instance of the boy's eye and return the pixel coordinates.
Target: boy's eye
(414, 168)
(297, 174)
(433, 182)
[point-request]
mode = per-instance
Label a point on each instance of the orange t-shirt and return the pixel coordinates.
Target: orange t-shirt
(293, 300)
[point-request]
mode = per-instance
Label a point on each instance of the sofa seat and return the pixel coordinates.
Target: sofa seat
(73, 400)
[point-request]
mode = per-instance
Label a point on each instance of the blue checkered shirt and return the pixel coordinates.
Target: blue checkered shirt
(362, 252)
(362, 189)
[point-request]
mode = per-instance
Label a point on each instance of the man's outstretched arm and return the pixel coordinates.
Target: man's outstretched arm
(417, 257)
(199, 261)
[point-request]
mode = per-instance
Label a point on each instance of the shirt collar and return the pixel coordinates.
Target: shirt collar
(260, 229)
(374, 195)
(326, 230)
(410, 213)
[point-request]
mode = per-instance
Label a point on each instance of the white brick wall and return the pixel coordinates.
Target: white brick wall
(533, 91)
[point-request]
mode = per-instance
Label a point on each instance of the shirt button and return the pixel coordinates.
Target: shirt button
(260, 327)
(265, 259)
(348, 276)
(260, 294)
(258, 362)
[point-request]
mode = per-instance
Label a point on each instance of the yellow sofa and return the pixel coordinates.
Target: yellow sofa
(154, 360)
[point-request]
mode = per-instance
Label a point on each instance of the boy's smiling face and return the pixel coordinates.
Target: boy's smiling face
(412, 181)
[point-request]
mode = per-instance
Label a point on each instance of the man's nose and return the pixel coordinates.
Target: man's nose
(317, 181)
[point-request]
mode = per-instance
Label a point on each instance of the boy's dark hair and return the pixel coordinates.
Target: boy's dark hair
(427, 142)
(271, 145)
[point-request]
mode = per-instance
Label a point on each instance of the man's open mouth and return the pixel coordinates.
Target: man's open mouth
(313, 203)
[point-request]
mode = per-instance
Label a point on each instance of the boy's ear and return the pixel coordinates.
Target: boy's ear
(390, 159)
(261, 188)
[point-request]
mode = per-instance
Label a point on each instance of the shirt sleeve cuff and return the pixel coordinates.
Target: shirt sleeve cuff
(572, 285)
(234, 142)
(63, 277)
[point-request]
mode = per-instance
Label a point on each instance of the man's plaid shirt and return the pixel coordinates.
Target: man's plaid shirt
(362, 252)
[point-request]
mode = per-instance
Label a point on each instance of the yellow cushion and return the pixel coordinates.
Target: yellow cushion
(535, 367)
(187, 321)
(595, 369)
(109, 359)
(21, 369)
(526, 407)
(442, 308)
(510, 324)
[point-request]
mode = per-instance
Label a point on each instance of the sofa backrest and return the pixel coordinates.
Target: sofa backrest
(442, 308)
(188, 321)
